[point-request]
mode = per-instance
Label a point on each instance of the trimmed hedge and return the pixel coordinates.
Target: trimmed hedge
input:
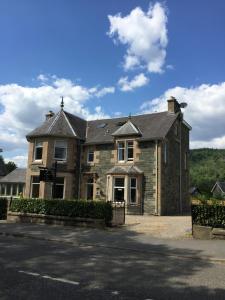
(68, 208)
(208, 215)
(3, 208)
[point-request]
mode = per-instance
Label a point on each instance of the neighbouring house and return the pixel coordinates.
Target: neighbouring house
(140, 160)
(219, 189)
(13, 184)
(194, 191)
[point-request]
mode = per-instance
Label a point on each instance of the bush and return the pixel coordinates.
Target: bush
(3, 208)
(208, 215)
(68, 208)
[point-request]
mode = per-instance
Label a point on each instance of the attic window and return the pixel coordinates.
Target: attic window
(102, 125)
(121, 123)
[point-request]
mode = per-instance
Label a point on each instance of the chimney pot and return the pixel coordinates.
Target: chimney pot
(49, 115)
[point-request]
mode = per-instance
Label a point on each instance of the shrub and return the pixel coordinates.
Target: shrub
(3, 208)
(69, 208)
(208, 215)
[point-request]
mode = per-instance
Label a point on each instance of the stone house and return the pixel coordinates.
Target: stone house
(140, 160)
(13, 184)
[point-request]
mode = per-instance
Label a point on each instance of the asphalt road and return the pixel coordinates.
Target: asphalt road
(37, 269)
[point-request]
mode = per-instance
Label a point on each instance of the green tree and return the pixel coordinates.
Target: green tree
(10, 166)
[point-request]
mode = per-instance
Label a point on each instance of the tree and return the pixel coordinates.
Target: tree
(10, 166)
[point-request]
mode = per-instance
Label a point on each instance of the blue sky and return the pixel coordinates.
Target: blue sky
(53, 47)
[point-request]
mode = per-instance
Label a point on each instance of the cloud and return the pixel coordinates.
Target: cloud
(145, 36)
(19, 160)
(42, 78)
(24, 108)
(138, 81)
(205, 112)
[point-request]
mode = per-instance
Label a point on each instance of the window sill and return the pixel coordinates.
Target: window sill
(60, 161)
(37, 162)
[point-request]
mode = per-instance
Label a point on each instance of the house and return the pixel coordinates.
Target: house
(140, 160)
(13, 184)
(218, 189)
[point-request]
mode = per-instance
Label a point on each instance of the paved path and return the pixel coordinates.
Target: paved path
(117, 238)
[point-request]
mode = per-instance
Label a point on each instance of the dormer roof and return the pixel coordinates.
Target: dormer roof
(127, 129)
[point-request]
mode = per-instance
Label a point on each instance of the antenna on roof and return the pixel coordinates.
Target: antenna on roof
(62, 103)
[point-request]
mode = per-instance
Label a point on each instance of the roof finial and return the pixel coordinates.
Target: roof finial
(129, 116)
(62, 103)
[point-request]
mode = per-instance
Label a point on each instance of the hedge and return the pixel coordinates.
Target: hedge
(69, 208)
(208, 215)
(3, 208)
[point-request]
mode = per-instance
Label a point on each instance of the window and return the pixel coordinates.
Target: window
(38, 150)
(133, 190)
(90, 157)
(2, 189)
(118, 189)
(165, 153)
(127, 155)
(58, 193)
(35, 186)
(121, 151)
(90, 188)
(130, 150)
(8, 189)
(185, 160)
(20, 188)
(14, 189)
(60, 150)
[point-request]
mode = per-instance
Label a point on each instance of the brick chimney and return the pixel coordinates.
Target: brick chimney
(49, 115)
(173, 105)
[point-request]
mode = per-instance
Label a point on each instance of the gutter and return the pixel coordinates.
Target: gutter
(181, 208)
(156, 194)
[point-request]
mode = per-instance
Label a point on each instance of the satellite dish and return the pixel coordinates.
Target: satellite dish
(183, 105)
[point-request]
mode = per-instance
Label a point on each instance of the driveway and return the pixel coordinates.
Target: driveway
(172, 227)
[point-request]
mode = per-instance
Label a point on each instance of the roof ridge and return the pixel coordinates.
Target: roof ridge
(71, 127)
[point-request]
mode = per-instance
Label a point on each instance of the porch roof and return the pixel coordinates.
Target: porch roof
(124, 170)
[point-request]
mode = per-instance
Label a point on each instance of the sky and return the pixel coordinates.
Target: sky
(108, 59)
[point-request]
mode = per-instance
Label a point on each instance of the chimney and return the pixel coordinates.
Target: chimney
(173, 105)
(49, 115)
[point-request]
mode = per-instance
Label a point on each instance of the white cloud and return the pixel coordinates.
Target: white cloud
(19, 160)
(138, 81)
(144, 34)
(24, 108)
(105, 90)
(42, 77)
(205, 112)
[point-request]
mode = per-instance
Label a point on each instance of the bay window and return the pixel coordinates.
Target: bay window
(60, 150)
(38, 150)
(133, 190)
(119, 186)
(35, 186)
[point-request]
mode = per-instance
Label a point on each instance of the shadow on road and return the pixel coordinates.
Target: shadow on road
(146, 272)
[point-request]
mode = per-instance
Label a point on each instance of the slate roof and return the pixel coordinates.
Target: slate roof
(16, 176)
(127, 129)
(120, 170)
(62, 124)
(152, 126)
(148, 127)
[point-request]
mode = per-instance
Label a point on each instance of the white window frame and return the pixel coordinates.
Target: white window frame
(125, 149)
(90, 151)
(57, 158)
(133, 188)
(121, 148)
(88, 184)
(34, 183)
(37, 146)
(120, 187)
(128, 147)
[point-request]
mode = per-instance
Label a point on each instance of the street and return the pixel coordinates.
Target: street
(41, 269)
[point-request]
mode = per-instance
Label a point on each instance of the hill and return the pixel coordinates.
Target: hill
(206, 166)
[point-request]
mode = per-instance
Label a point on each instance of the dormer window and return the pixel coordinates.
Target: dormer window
(90, 155)
(125, 151)
(60, 150)
(38, 150)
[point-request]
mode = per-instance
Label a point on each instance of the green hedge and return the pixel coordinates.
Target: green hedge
(69, 208)
(208, 215)
(3, 208)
